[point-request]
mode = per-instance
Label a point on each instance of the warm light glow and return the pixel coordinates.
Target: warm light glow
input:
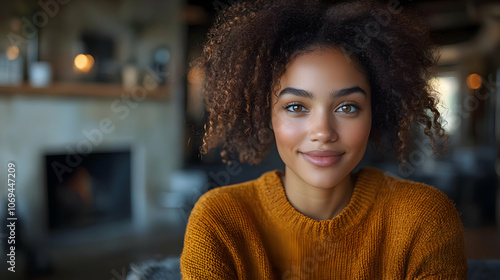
(80, 61)
(84, 62)
(195, 76)
(12, 52)
(474, 81)
(448, 88)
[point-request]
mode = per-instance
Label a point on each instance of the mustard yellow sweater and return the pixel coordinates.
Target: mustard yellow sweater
(391, 229)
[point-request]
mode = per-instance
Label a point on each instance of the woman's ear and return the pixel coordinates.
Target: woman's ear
(271, 124)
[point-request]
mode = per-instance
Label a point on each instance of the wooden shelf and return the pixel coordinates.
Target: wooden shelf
(84, 90)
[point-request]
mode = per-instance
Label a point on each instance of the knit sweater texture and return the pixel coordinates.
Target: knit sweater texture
(391, 229)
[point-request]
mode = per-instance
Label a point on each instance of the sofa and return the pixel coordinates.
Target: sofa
(168, 269)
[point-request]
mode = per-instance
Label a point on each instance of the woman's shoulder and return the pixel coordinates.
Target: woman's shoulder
(233, 191)
(409, 196)
(243, 194)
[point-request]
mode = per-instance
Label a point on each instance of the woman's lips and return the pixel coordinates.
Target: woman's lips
(322, 158)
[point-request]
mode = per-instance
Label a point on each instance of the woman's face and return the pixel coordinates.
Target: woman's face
(321, 117)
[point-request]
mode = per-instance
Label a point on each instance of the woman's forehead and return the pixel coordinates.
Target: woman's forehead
(324, 69)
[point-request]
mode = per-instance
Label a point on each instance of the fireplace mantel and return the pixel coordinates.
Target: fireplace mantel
(101, 90)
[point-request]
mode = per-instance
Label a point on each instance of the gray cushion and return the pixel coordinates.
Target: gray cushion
(168, 269)
(483, 269)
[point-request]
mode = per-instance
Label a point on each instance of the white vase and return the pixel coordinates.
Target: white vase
(40, 74)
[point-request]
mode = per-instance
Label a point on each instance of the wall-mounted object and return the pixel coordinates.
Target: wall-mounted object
(130, 77)
(40, 74)
(11, 68)
(100, 49)
(161, 58)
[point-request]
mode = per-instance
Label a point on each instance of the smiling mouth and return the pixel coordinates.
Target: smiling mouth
(322, 158)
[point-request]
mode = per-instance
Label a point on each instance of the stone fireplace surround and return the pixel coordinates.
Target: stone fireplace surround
(35, 126)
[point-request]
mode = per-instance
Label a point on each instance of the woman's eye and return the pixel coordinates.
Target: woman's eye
(295, 108)
(347, 109)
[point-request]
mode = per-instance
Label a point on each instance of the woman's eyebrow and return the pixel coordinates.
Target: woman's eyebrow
(335, 94)
(347, 91)
(296, 92)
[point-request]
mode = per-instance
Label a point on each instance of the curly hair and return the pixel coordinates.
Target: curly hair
(252, 43)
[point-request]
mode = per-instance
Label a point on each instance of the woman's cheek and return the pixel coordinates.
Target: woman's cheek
(357, 134)
(288, 128)
(286, 133)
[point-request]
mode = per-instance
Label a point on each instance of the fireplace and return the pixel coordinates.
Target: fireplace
(86, 191)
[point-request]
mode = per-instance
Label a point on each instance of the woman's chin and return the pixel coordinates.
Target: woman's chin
(322, 182)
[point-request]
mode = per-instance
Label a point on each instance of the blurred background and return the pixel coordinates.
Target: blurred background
(103, 117)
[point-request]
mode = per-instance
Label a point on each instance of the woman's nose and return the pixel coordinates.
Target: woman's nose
(322, 128)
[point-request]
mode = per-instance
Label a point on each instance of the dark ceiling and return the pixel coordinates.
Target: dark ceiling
(450, 21)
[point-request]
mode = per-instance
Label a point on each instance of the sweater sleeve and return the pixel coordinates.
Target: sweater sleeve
(205, 256)
(439, 251)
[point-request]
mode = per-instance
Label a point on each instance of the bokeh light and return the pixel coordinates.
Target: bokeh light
(84, 62)
(195, 76)
(474, 81)
(12, 52)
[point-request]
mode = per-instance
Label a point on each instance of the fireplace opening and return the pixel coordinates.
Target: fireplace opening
(85, 191)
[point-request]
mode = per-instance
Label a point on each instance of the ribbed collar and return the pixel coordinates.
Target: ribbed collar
(288, 218)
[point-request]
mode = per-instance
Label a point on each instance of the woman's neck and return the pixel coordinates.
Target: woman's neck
(317, 203)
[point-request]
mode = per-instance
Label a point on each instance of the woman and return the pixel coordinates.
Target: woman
(323, 79)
